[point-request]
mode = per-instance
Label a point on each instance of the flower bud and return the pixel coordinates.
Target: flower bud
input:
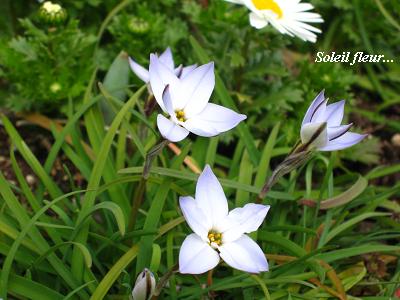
(144, 286)
(314, 135)
(52, 14)
(138, 25)
(55, 87)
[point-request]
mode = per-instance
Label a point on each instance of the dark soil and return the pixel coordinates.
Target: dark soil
(39, 142)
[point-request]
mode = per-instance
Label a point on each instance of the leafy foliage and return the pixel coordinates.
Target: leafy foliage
(48, 66)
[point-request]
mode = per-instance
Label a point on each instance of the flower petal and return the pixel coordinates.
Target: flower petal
(337, 131)
(196, 256)
(140, 72)
(167, 59)
(245, 219)
(169, 130)
(244, 254)
(334, 113)
(160, 76)
(235, 1)
(310, 130)
(198, 221)
(213, 120)
(167, 101)
(194, 90)
(187, 70)
(317, 102)
(210, 196)
(256, 21)
(345, 141)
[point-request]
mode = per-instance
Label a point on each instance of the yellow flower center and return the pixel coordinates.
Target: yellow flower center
(268, 5)
(215, 238)
(180, 115)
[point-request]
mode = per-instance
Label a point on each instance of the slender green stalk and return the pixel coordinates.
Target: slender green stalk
(151, 156)
(137, 202)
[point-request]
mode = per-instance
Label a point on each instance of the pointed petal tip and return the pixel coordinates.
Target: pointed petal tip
(207, 171)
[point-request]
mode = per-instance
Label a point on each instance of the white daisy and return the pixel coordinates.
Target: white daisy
(287, 16)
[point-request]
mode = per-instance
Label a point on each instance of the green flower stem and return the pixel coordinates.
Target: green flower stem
(137, 202)
(139, 193)
(290, 163)
(298, 156)
(163, 281)
(151, 156)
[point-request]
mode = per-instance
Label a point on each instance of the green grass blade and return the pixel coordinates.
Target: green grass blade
(113, 274)
(95, 178)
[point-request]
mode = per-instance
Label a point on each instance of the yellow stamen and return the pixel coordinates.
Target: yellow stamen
(180, 115)
(215, 238)
(268, 5)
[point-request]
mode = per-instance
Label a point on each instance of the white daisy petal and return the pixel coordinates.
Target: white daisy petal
(257, 21)
(210, 196)
(287, 16)
(244, 254)
(196, 256)
(171, 131)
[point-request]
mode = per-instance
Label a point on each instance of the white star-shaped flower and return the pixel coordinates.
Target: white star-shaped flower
(287, 16)
(185, 100)
(167, 59)
(219, 233)
(321, 126)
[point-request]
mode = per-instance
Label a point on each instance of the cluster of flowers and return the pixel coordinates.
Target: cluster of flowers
(183, 94)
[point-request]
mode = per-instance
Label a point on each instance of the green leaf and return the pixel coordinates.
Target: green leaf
(266, 157)
(354, 251)
(116, 82)
(95, 178)
(193, 177)
(342, 227)
(353, 192)
(113, 274)
(29, 289)
(27, 224)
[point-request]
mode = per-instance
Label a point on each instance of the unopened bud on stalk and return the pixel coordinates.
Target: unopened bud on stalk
(138, 25)
(144, 286)
(52, 13)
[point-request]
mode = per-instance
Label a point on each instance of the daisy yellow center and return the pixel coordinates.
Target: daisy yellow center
(180, 115)
(215, 238)
(268, 5)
